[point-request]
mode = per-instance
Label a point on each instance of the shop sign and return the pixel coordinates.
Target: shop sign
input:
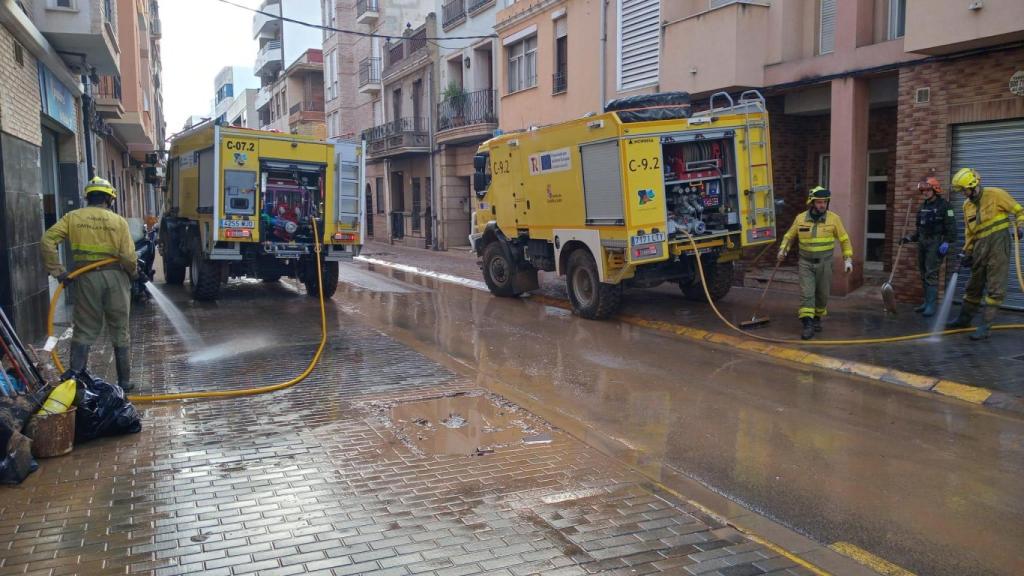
(57, 101)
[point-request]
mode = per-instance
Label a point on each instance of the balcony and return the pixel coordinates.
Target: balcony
(559, 82)
(155, 29)
(108, 98)
(267, 25)
(90, 28)
(309, 111)
(397, 52)
(263, 96)
(268, 60)
(398, 138)
(369, 76)
(475, 6)
(944, 27)
(453, 12)
(367, 11)
(466, 117)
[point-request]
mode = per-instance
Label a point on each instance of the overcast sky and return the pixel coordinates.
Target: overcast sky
(199, 38)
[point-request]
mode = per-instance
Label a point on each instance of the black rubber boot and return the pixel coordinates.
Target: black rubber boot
(817, 323)
(79, 357)
(808, 331)
(967, 311)
(931, 294)
(123, 361)
(982, 331)
(924, 304)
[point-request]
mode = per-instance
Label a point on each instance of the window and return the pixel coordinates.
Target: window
(639, 43)
(378, 185)
(827, 26)
(522, 64)
(878, 192)
(334, 74)
(560, 80)
(63, 4)
(897, 18)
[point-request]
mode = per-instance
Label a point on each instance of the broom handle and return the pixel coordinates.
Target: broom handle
(899, 248)
(766, 287)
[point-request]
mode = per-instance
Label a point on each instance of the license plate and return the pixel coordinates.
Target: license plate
(237, 224)
(647, 239)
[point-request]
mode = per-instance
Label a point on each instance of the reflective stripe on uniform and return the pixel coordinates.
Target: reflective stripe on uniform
(992, 301)
(805, 313)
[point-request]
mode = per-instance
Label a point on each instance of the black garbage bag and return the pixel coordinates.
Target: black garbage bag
(103, 410)
(16, 460)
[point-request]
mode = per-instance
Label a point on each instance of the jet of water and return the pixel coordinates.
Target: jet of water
(947, 303)
(193, 341)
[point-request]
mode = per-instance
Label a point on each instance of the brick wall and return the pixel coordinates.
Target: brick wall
(19, 92)
(963, 90)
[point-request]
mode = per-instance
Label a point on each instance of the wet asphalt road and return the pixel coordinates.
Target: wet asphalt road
(931, 484)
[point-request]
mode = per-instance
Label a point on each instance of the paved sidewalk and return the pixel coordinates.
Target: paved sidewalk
(324, 478)
(995, 364)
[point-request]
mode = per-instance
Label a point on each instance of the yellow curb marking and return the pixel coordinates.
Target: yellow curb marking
(862, 556)
(966, 393)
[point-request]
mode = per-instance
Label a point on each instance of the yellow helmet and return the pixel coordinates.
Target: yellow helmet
(98, 184)
(966, 178)
(819, 193)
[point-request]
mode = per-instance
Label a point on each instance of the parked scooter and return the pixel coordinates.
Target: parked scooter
(145, 251)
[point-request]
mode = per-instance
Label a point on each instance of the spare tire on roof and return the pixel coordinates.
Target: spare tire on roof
(648, 107)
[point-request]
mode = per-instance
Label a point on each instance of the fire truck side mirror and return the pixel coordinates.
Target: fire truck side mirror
(480, 183)
(480, 163)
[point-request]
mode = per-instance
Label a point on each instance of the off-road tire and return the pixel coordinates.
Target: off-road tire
(499, 271)
(204, 275)
(719, 278)
(590, 298)
(174, 274)
(329, 270)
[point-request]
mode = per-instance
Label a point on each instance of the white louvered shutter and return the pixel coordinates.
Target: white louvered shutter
(639, 42)
(827, 42)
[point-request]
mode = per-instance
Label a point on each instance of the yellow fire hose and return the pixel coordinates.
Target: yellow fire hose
(216, 393)
(853, 342)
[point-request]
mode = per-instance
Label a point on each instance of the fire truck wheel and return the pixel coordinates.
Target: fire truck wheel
(719, 278)
(499, 271)
(590, 297)
(174, 274)
(329, 270)
(205, 277)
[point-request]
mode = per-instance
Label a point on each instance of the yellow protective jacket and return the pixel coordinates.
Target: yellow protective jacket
(988, 214)
(818, 238)
(95, 234)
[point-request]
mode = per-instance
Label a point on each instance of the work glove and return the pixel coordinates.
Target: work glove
(905, 239)
(966, 260)
(848, 265)
(943, 248)
(64, 279)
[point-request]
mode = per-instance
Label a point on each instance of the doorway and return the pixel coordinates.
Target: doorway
(368, 210)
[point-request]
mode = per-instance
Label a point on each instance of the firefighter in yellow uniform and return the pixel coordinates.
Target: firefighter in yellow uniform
(102, 295)
(817, 230)
(987, 245)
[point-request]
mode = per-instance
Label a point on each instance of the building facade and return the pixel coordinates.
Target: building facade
(66, 115)
(289, 64)
(230, 89)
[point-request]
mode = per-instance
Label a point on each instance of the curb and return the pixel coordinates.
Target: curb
(948, 388)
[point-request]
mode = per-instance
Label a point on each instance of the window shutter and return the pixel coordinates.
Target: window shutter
(639, 42)
(828, 27)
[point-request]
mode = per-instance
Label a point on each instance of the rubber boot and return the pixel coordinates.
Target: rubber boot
(817, 323)
(967, 311)
(982, 331)
(123, 361)
(931, 294)
(808, 331)
(79, 357)
(924, 305)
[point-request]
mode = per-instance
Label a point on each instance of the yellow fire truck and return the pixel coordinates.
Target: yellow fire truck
(613, 199)
(242, 202)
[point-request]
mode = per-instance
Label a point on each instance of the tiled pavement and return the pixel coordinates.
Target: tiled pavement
(314, 480)
(994, 364)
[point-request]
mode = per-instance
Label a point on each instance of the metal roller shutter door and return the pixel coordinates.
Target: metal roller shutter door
(996, 151)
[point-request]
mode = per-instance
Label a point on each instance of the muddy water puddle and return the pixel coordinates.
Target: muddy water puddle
(468, 425)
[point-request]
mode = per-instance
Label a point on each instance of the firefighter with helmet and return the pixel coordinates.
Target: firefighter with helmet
(817, 231)
(987, 245)
(102, 295)
(936, 232)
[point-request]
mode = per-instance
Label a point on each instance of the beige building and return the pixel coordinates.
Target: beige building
(866, 96)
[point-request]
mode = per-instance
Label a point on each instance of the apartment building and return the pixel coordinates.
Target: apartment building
(866, 96)
(353, 88)
(289, 64)
(467, 109)
(234, 96)
(61, 90)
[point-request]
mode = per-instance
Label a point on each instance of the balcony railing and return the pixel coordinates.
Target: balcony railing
(369, 71)
(452, 12)
(308, 106)
(364, 6)
(396, 128)
(559, 82)
(154, 28)
(109, 87)
(475, 5)
(399, 50)
(467, 110)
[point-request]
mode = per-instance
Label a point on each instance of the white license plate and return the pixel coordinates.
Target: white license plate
(647, 239)
(237, 224)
